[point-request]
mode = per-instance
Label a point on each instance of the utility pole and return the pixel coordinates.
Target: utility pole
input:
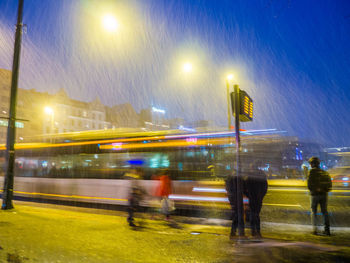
(11, 129)
(238, 166)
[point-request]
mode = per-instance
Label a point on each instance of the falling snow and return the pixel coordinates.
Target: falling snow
(292, 58)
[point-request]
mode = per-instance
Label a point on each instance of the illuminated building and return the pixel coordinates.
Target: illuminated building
(66, 114)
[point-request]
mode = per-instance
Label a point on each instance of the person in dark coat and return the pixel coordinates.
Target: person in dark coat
(231, 189)
(255, 188)
(319, 183)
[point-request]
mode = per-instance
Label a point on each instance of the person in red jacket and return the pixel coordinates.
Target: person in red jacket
(163, 191)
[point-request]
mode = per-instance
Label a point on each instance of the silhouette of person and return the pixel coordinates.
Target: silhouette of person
(255, 188)
(319, 183)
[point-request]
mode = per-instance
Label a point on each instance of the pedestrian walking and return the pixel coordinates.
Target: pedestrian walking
(163, 191)
(135, 194)
(319, 183)
(255, 188)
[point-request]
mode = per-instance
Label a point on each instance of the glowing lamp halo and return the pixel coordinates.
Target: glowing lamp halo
(110, 23)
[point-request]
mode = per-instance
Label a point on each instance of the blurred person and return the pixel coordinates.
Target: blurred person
(305, 172)
(231, 189)
(255, 188)
(135, 194)
(269, 172)
(319, 183)
(163, 191)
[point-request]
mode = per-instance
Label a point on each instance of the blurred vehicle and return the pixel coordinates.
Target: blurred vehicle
(90, 166)
(340, 176)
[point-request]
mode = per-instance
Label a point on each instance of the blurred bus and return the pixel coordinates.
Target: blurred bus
(91, 165)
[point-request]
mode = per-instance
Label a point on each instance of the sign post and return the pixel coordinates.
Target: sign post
(242, 108)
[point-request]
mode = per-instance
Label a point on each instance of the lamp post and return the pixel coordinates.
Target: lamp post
(236, 105)
(7, 195)
(228, 79)
(239, 192)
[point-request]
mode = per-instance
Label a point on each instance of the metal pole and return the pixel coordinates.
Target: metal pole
(228, 105)
(238, 167)
(11, 129)
(52, 125)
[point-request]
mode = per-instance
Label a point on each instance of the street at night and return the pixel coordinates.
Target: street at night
(174, 131)
(44, 233)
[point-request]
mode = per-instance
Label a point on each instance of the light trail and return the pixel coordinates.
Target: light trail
(282, 205)
(173, 197)
(198, 198)
(135, 139)
(69, 196)
(288, 189)
(208, 190)
(222, 190)
(306, 190)
(221, 199)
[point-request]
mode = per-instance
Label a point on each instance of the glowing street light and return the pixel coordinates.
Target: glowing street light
(187, 67)
(49, 111)
(230, 77)
(110, 23)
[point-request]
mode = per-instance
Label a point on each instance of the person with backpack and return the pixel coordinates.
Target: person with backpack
(319, 183)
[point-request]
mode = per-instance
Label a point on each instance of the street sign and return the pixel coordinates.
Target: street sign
(245, 107)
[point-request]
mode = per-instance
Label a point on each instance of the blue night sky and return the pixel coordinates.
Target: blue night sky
(291, 56)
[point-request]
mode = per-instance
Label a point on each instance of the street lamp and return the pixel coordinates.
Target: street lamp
(229, 79)
(110, 23)
(49, 111)
(187, 67)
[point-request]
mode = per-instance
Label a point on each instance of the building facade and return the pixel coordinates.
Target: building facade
(41, 114)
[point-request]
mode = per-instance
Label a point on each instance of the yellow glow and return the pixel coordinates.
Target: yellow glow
(48, 110)
(109, 31)
(187, 67)
(230, 77)
(110, 23)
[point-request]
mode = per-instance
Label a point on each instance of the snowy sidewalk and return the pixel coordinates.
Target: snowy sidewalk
(48, 233)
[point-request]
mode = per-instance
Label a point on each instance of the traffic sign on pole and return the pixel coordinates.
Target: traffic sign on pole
(245, 106)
